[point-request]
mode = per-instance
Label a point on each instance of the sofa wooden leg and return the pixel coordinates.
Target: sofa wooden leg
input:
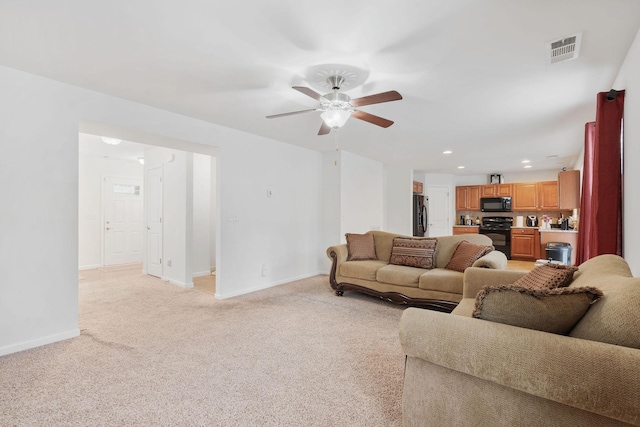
(339, 292)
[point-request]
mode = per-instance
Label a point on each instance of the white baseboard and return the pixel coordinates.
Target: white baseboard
(89, 267)
(201, 274)
(49, 339)
(265, 286)
(181, 284)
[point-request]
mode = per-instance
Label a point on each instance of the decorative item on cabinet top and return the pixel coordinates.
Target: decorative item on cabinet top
(496, 178)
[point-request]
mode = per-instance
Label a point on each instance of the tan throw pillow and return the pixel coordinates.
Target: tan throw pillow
(547, 276)
(413, 252)
(549, 310)
(466, 254)
(360, 247)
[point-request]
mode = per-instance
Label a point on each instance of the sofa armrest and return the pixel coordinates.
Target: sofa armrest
(588, 375)
(475, 278)
(341, 253)
(494, 259)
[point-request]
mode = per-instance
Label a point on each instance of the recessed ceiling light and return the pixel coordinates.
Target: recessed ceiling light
(526, 161)
(528, 166)
(111, 141)
(447, 152)
(460, 167)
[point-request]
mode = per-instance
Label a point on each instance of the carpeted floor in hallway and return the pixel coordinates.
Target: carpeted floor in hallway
(151, 353)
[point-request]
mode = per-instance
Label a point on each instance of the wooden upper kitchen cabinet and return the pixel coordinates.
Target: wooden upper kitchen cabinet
(496, 190)
(569, 189)
(525, 196)
(468, 198)
(548, 195)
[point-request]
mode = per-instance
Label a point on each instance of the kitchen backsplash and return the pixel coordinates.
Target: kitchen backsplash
(553, 214)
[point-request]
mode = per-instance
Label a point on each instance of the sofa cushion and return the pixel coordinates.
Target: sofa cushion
(547, 276)
(441, 279)
(550, 310)
(360, 247)
(466, 254)
(400, 275)
(365, 270)
(413, 252)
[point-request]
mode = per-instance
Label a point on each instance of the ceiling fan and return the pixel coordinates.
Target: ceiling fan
(337, 107)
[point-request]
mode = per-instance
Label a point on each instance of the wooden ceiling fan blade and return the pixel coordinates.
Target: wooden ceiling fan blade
(378, 98)
(376, 120)
(308, 91)
(291, 113)
(324, 129)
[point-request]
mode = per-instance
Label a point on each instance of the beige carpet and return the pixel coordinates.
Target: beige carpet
(151, 353)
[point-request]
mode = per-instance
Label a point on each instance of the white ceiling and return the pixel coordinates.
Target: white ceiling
(472, 73)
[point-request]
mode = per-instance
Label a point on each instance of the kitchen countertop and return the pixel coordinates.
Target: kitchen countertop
(460, 225)
(548, 230)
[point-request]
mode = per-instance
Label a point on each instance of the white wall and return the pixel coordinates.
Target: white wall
(352, 198)
(398, 200)
(91, 170)
(511, 177)
(629, 79)
(361, 194)
(201, 260)
(213, 209)
(41, 119)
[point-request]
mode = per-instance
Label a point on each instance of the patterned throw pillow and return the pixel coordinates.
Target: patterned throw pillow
(550, 310)
(547, 276)
(466, 254)
(360, 247)
(413, 252)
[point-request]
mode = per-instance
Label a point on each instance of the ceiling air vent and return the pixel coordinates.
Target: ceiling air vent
(564, 49)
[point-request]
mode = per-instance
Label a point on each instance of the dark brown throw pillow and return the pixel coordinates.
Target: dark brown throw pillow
(555, 310)
(547, 276)
(413, 252)
(466, 254)
(360, 247)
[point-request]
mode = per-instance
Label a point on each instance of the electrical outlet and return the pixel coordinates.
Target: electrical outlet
(168, 263)
(269, 192)
(264, 270)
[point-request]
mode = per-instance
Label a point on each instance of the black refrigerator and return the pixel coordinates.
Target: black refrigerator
(420, 215)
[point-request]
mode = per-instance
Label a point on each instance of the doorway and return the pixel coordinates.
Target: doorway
(176, 242)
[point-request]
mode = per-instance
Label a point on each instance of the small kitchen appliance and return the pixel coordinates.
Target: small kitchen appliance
(532, 221)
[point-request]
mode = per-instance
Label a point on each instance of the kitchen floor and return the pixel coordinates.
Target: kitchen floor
(520, 265)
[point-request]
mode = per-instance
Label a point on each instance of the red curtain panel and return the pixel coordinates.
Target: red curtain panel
(600, 228)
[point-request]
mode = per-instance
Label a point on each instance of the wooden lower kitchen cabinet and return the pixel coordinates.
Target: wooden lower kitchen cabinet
(525, 244)
(465, 230)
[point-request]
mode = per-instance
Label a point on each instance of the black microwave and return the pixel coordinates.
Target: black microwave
(495, 204)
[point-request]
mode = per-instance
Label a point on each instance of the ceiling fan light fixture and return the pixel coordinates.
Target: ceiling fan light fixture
(335, 118)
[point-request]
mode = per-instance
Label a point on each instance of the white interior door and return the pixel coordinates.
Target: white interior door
(122, 220)
(154, 221)
(438, 211)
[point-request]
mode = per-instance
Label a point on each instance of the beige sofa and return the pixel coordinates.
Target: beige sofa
(462, 371)
(437, 288)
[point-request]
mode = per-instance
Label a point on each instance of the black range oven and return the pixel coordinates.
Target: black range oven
(498, 229)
